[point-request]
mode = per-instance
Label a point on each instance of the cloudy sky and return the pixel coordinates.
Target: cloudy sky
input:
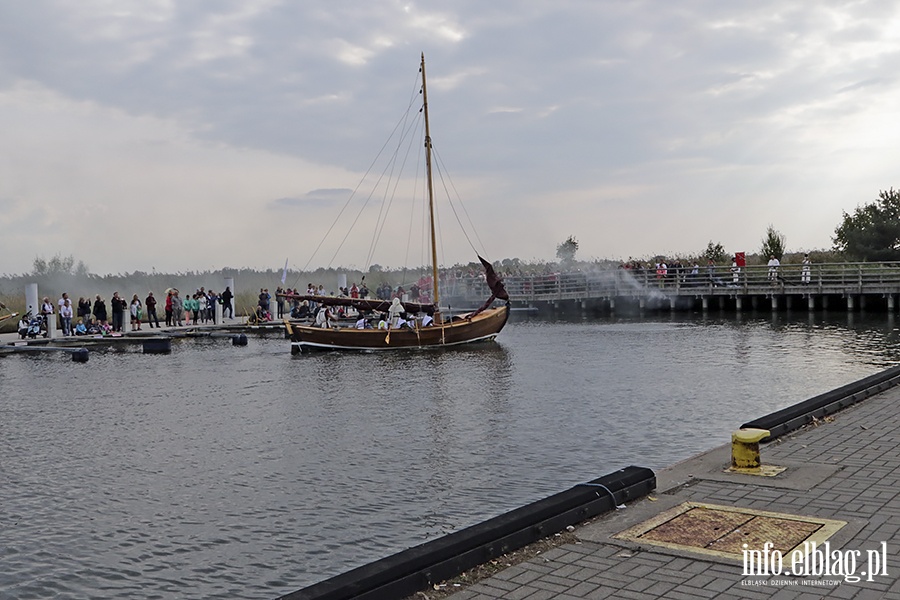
(142, 134)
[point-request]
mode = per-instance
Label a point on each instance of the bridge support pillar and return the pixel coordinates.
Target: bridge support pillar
(849, 303)
(704, 300)
(612, 305)
(738, 303)
(774, 302)
(890, 301)
(812, 302)
(642, 304)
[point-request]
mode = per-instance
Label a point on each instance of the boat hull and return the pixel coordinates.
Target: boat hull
(482, 327)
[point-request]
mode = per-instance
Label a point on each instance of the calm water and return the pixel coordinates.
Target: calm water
(221, 471)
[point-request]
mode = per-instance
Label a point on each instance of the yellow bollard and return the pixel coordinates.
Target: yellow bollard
(745, 448)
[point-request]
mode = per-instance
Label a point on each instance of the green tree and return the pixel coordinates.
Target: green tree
(872, 232)
(714, 252)
(566, 251)
(772, 244)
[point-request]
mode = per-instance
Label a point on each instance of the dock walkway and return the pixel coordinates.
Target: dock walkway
(846, 469)
(828, 286)
(227, 326)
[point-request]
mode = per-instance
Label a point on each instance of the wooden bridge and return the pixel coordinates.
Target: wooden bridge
(825, 286)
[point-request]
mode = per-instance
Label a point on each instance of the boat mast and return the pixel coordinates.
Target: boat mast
(434, 262)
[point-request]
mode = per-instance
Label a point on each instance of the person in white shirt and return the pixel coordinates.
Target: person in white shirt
(773, 268)
(62, 300)
(65, 313)
(323, 318)
(47, 308)
(735, 271)
(805, 270)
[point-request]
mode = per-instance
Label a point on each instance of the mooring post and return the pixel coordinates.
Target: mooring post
(31, 298)
(745, 448)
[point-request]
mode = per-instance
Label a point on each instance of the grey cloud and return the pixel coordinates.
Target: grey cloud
(547, 96)
(312, 199)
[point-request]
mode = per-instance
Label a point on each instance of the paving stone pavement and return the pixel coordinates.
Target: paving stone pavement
(853, 468)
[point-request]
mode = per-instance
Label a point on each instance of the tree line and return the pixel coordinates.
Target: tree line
(870, 233)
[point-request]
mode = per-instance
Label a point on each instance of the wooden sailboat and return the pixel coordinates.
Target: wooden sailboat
(480, 325)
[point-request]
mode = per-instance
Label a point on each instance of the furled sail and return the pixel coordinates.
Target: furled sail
(363, 304)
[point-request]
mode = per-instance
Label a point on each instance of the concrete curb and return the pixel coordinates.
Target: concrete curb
(417, 568)
(794, 417)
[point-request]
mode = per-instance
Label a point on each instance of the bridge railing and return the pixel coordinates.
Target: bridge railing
(821, 277)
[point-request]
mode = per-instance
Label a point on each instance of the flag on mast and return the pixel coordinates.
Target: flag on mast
(284, 272)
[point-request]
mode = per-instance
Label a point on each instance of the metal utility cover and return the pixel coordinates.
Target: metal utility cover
(723, 530)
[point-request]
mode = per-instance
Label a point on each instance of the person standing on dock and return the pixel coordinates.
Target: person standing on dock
(137, 313)
(46, 308)
(65, 314)
(190, 309)
(735, 271)
(227, 296)
(177, 309)
(773, 268)
(805, 270)
(118, 312)
(169, 295)
(84, 310)
(279, 301)
(264, 300)
(150, 304)
(202, 306)
(211, 306)
(100, 310)
(61, 302)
